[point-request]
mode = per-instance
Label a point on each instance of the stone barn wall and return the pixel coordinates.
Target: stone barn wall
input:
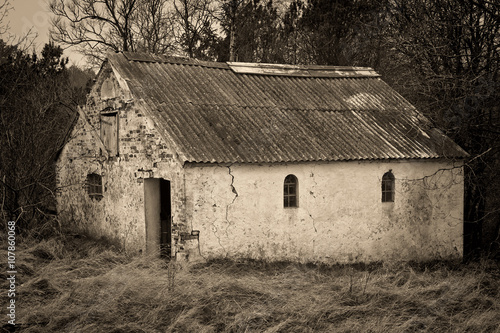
(119, 214)
(239, 211)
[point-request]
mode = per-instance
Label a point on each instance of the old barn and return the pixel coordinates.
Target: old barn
(192, 159)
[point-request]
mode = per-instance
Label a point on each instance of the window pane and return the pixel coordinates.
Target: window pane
(387, 196)
(388, 187)
(94, 185)
(290, 191)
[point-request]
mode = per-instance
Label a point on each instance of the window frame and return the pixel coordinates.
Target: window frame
(93, 184)
(113, 150)
(388, 187)
(291, 192)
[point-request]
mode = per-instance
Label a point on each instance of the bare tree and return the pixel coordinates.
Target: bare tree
(233, 7)
(194, 25)
(5, 7)
(153, 29)
(96, 26)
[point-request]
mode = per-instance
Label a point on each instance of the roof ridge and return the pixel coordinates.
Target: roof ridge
(164, 59)
(258, 68)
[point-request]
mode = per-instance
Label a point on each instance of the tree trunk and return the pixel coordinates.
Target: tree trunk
(232, 45)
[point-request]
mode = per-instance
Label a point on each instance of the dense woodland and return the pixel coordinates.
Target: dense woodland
(442, 55)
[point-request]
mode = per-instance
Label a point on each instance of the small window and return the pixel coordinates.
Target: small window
(94, 186)
(388, 187)
(290, 191)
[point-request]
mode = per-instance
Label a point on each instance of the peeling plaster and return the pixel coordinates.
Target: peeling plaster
(340, 217)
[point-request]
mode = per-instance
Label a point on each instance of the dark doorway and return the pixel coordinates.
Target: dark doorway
(158, 215)
(165, 219)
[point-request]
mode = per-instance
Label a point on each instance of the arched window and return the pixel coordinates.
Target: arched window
(388, 187)
(290, 191)
(94, 186)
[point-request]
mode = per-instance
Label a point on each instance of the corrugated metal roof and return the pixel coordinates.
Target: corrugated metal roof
(231, 112)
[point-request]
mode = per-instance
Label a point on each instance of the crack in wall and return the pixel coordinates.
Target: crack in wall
(233, 189)
(311, 192)
(315, 182)
(312, 218)
(215, 230)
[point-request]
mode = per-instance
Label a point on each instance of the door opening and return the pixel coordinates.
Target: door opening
(158, 211)
(165, 219)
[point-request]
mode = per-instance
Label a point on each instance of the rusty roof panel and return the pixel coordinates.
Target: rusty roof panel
(217, 112)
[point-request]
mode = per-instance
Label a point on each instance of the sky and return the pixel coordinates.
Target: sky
(35, 15)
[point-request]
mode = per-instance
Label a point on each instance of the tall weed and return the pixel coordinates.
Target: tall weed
(72, 284)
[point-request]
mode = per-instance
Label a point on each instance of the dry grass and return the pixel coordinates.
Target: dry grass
(77, 285)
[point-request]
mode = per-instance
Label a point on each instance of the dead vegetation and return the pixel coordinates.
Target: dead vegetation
(69, 284)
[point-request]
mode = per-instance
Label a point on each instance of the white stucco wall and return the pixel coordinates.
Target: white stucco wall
(340, 217)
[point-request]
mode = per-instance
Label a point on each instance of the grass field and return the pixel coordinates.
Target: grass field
(69, 284)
